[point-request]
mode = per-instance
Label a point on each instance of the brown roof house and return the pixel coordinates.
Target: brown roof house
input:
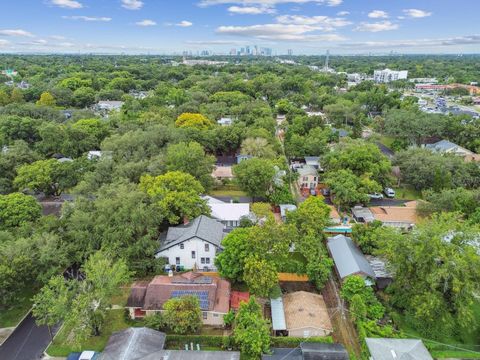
(213, 294)
(403, 217)
(306, 315)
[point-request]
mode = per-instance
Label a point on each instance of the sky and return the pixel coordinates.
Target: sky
(305, 26)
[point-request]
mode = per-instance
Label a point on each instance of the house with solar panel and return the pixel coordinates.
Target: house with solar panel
(192, 245)
(147, 298)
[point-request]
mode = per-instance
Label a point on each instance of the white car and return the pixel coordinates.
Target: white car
(375, 196)
(389, 192)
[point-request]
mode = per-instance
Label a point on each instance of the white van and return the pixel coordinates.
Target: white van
(389, 192)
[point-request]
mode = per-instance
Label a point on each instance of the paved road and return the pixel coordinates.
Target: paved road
(27, 342)
(385, 150)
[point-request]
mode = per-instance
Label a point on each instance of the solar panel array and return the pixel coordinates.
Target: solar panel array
(202, 296)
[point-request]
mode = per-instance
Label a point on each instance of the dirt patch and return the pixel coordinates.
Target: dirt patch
(344, 331)
(292, 286)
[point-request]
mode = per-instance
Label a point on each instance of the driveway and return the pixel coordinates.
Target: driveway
(387, 202)
(27, 342)
(385, 150)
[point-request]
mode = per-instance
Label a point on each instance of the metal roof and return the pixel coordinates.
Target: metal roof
(284, 208)
(348, 258)
(278, 314)
(397, 349)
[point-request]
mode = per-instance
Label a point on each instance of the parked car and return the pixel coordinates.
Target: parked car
(85, 355)
(313, 192)
(375, 196)
(326, 192)
(389, 192)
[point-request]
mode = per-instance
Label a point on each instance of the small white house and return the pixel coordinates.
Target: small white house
(193, 245)
(225, 121)
(229, 214)
(109, 105)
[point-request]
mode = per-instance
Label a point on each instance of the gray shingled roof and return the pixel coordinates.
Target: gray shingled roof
(202, 227)
(442, 145)
(133, 344)
(397, 349)
(348, 258)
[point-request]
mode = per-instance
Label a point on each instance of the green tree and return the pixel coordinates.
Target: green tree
(46, 99)
(255, 176)
(436, 269)
(260, 276)
(190, 158)
(348, 189)
(183, 315)
(231, 261)
(87, 311)
(49, 176)
(52, 303)
(17, 209)
(251, 332)
(312, 215)
(176, 194)
(84, 96)
(193, 120)
(257, 147)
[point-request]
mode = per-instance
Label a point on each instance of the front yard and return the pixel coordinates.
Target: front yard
(11, 316)
(228, 190)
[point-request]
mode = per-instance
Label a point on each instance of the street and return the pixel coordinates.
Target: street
(27, 342)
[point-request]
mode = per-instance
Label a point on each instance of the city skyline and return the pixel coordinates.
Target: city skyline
(300, 27)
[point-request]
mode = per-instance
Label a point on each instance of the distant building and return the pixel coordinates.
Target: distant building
(192, 62)
(285, 208)
(387, 75)
(147, 298)
(448, 147)
(242, 157)
(108, 105)
(289, 52)
(225, 121)
(308, 177)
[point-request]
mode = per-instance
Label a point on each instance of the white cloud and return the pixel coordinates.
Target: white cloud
(378, 14)
(268, 3)
(251, 10)
(88, 18)
(280, 32)
(132, 4)
(214, 42)
(343, 13)
(324, 23)
(184, 23)
(4, 42)
(376, 27)
(146, 22)
(416, 13)
(16, 32)
(58, 37)
(69, 4)
(441, 42)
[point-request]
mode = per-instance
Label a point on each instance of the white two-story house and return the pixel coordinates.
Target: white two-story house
(193, 245)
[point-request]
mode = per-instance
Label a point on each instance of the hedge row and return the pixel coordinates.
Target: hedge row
(291, 342)
(179, 341)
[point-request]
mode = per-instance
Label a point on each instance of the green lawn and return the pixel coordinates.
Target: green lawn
(405, 192)
(62, 345)
(11, 316)
(228, 190)
(387, 141)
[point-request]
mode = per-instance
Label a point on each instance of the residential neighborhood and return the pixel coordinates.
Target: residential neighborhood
(239, 180)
